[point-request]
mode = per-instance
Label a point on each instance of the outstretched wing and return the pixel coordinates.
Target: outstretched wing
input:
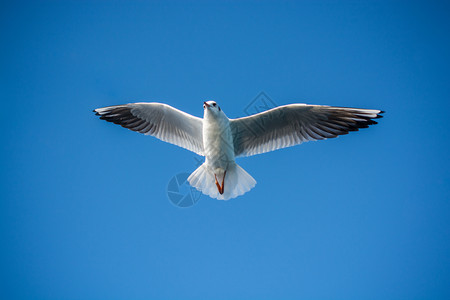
(159, 120)
(293, 124)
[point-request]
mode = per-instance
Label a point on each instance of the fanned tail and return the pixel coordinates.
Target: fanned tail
(237, 182)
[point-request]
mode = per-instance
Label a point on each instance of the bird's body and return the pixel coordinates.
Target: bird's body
(218, 146)
(217, 140)
(221, 139)
(219, 177)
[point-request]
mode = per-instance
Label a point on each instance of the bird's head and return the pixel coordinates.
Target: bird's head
(211, 107)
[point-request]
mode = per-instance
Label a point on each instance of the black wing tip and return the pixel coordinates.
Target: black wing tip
(96, 112)
(379, 115)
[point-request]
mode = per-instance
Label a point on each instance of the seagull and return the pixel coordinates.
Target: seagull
(220, 139)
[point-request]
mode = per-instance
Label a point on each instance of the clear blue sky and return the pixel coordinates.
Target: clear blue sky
(84, 211)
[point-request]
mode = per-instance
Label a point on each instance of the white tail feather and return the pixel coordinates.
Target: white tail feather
(237, 182)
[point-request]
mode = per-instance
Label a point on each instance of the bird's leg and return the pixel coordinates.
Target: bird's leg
(217, 184)
(220, 188)
(223, 180)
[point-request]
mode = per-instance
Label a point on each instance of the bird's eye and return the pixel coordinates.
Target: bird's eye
(214, 104)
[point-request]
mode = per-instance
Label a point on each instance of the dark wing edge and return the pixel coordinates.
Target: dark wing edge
(121, 115)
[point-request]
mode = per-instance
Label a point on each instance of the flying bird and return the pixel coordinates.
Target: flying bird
(220, 139)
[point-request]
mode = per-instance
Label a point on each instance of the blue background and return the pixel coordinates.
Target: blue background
(84, 210)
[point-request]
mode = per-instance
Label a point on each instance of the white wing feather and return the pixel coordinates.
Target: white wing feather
(159, 120)
(290, 125)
